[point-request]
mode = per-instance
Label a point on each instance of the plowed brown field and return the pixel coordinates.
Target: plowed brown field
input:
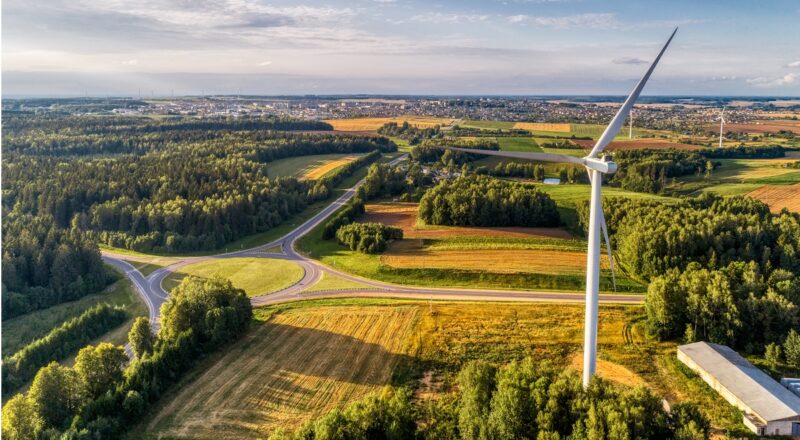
(552, 262)
(404, 216)
(639, 144)
(767, 126)
(779, 197)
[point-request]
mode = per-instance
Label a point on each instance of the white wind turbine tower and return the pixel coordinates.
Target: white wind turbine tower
(721, 124)
(630, 125)
(596, 167)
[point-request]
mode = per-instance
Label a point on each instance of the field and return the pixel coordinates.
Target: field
(255, 275)
(640, 144)
(439, 256)
(303, 359)
(308, 167)
(296, 364)
(410, 255)
(518, 144)
(373, 124)
(779, 197)
(333, 282)
(25, 329)
(741, 176)
(767, 126)
(404, 216)
(541, 126)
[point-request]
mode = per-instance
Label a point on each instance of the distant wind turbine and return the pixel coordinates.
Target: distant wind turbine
(721, 124)
(630, 125)
(596, 167)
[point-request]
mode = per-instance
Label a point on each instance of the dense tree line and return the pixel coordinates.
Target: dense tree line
(483, 201)
(434, 151)
(522, 400)
(527, 170)
(351, 211)
(60, 343)
(744, 152)
(43, 265)
(720, 269)
(414, 135)
(98, 399)
(384, 180)
(459, 131)
(562, 144)
(323, 186)
(368, 238)
(648, 170)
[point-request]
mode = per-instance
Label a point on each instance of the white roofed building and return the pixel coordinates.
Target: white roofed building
(769, 407)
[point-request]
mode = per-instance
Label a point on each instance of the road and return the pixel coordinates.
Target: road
(151, 290)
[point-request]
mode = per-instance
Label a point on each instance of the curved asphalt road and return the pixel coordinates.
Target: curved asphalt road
(150, 289)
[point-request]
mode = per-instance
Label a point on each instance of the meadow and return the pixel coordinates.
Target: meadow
(256, 276)
(25, 329)
(302, 359)
(518, 144)
(308, 167)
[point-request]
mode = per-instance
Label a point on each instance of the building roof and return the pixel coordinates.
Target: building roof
(765, 397)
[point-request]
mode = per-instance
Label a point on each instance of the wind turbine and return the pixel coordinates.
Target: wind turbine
(596, 167)
(721, 124)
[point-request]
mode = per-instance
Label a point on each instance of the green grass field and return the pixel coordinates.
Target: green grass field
(739, 176)
(300, 165)
(25, 329)
(333, 282)
(488, 125)
(518, 144)
(302, 359)
(255, 275)
(569, 195)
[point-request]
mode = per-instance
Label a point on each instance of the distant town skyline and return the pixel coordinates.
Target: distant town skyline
(511, 47)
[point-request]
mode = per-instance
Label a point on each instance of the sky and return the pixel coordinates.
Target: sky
(498, 47)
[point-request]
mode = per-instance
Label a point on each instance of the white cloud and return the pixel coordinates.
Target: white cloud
(264, 63)
(629, 60)
(585, 21)
(438, 17)
(762, 81)
(132, 62)
(794, 64)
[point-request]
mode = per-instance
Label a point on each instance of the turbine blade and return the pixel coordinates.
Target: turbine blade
(542, 157)
(616, 123)
(604, 229)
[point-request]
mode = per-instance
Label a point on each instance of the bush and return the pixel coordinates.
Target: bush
(368, 238)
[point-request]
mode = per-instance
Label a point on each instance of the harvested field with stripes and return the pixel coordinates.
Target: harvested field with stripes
(373, 124)
(779, 197)
(326, 168)
(543, 126)
(404, 216)
(766, 126)
(299, 364)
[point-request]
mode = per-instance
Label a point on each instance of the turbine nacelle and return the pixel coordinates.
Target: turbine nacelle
(604, 165)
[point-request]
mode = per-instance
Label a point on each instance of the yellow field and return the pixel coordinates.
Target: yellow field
(543, 126)
(256, 276)
(407, 254)
(779, 197)
(373, 124)
(324, 169)
(304, 359)
(299, 365)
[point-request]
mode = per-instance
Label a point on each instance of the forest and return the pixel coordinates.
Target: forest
(475, 200)
(720, 269)
(648, 170)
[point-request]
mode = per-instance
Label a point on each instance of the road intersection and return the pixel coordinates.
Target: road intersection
(152, 292)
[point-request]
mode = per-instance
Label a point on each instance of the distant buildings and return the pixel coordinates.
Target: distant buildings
(769, 408)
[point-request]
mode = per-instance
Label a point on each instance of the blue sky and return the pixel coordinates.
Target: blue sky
(101, 47)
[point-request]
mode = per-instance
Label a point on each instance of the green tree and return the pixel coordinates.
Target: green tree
(772, 354)
(20, 419)
(56, 395)
(476, 383)
(791, 348)
(141, 337)
(688, 422)
(99, 368)
(513, 413)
